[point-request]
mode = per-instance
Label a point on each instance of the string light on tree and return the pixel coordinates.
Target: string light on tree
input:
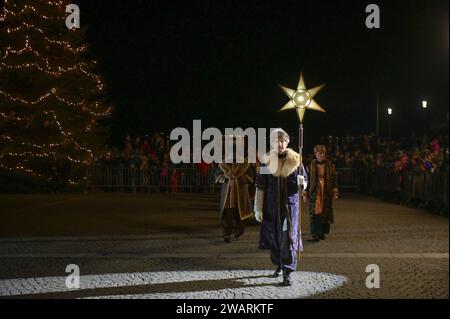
(50, 114)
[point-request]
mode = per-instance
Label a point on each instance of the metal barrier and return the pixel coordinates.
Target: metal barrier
(183, 179)
(347, 178)
(426, 190)
(102, 178)
(420, 189)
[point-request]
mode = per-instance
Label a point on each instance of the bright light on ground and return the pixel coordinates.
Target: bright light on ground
(249, 284)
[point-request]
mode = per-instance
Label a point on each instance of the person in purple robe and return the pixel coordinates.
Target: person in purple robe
(276, 207)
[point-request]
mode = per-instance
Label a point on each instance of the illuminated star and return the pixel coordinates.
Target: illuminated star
(302, 98)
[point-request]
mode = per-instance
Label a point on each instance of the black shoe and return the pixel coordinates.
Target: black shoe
(277, 272)
(287, 280)
(227, 239)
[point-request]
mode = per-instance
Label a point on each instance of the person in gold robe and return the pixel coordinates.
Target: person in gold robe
(235, 203)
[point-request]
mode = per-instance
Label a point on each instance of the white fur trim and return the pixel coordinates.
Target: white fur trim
(286, 166)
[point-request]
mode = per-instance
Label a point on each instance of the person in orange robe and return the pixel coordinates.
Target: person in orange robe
(321, 191)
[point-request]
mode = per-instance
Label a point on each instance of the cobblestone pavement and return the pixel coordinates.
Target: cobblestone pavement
(169, 246)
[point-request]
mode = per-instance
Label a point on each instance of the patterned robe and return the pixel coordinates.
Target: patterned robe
(321, 194)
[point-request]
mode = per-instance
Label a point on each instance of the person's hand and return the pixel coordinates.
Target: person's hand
(335, 193)
(301, 182)
(220, 179)
(258, 216)
(259, 204)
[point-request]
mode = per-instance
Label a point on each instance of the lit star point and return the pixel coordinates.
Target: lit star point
(302, 98)
(289, 92)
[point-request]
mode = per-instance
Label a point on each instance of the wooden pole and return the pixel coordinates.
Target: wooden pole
(300, 171)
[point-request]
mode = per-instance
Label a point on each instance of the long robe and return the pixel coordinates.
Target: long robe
(283, 178)
(235, 190)
(329, 189)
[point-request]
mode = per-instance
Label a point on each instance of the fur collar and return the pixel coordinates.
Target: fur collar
(286, 166)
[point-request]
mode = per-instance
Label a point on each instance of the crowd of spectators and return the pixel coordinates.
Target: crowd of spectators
(412, 171)
(364, 151)
(138, 152)
(421, 154)
(369, 155)
(149, 155)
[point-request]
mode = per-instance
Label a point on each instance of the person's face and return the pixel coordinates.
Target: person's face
(282, 145)
(320, 155)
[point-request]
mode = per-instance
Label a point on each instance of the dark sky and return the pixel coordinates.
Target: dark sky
(168, 63)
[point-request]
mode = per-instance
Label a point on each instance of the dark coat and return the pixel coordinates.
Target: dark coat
(284, 176)
(330, 189)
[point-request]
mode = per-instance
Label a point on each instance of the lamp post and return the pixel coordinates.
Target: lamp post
(424, 107)
(389, 111)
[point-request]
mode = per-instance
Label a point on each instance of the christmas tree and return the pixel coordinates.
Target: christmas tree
(52, 110)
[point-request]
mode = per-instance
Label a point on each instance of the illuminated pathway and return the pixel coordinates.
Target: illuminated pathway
(166, 246)
(209, 284)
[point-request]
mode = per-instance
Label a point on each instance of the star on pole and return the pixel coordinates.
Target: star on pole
(302, 98)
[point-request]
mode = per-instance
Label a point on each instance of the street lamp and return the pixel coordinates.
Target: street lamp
(424, 107)
(424, 104)
(389, 111)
